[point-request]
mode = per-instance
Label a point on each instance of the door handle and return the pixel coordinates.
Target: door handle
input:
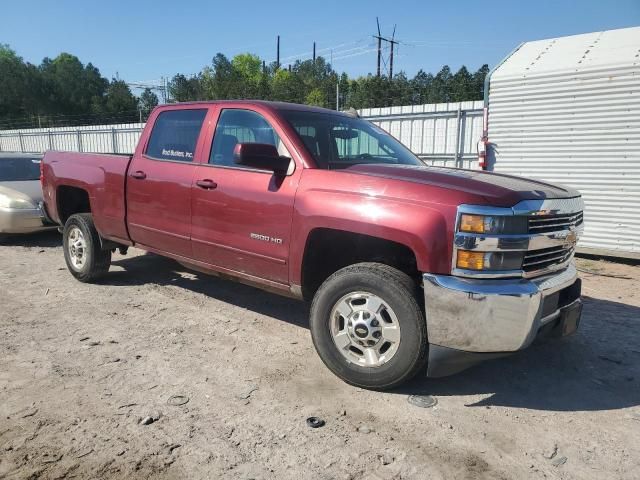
(139, 174)
(206, 184)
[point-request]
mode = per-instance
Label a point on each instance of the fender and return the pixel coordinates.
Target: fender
(354, 203)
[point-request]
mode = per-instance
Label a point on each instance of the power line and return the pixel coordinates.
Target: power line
(356, 54)
(335, 50)
(159, 86)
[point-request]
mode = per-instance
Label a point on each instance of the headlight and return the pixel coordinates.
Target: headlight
(470, 260)
(492, 224)
(9, 202)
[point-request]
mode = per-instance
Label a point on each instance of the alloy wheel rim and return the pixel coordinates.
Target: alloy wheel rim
(77, 247)
(365, 329)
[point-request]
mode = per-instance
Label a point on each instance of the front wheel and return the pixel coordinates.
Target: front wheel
(82, 250)
(368, 327)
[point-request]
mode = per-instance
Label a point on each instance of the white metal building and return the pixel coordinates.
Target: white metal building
(567, 110)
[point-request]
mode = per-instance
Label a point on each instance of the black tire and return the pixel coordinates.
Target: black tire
(97, 261)
(400, 292)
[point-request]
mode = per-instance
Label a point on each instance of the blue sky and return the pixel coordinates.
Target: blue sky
(143, 40)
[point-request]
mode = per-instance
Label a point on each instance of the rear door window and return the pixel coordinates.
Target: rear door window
(175, 135)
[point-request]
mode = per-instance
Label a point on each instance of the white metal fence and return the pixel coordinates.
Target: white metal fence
(441, 133)
(121, 138)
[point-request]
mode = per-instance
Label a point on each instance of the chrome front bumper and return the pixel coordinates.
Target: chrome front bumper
(22, 220)
(478, 316)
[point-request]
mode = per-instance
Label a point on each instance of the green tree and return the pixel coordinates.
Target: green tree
(71, 87)
(316, 97)
(401, 92)
(13, 77)
(478, 82)
(183, 89)
(287, 87)
(440, 91)
(64, 91)
(247, 72)
(420, 86)
(370, 91)
(147, 101)
(119, 100)
(461, 86)
(218, 80)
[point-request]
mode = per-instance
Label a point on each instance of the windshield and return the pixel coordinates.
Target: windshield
(19, 169)
(337, 141)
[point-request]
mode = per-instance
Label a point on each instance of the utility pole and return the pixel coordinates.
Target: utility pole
(165, 93)
(314, 52)
(338, 95)
(392, 42)
(379, 37)
(278, 53)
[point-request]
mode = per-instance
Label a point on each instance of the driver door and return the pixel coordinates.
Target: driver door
(241, 216)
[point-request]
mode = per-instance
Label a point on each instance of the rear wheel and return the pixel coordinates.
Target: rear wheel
(82, 251)
(368, 327)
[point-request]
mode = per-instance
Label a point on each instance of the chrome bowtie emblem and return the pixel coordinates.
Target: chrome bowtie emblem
(571, 239)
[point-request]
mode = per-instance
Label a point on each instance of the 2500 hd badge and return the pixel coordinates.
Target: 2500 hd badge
(265, 238)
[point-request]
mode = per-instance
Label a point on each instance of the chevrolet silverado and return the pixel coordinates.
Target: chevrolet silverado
(406, 266)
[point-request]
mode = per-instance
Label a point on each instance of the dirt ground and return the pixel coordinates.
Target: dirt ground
(94, 380)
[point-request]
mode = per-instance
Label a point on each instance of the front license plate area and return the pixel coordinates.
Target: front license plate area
(570, 318)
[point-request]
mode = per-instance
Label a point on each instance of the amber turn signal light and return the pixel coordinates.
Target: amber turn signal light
(470, 260)
(472, 223)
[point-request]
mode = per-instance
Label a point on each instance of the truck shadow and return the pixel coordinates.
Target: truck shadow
(597, 369)
(154, 269)
(46, 239)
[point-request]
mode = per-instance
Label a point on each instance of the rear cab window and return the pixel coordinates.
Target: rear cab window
(175, 135)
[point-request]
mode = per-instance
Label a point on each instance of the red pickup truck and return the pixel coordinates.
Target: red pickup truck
(405, 265)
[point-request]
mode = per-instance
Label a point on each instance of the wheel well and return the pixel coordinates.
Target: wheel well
(72, 200)
(328, 250)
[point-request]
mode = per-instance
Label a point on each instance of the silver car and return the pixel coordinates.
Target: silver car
(21, 194)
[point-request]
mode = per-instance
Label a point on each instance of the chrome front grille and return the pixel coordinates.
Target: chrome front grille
(554, 223)
(542, 259)
(560, 224)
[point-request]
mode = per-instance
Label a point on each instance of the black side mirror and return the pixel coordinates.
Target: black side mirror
(262, 156)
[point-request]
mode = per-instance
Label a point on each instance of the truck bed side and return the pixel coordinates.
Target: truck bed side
(70, 177)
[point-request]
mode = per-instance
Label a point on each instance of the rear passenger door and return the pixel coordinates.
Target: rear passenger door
(159, 182)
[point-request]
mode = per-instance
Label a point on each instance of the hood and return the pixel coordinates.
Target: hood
(27, 190)
(497, 189)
